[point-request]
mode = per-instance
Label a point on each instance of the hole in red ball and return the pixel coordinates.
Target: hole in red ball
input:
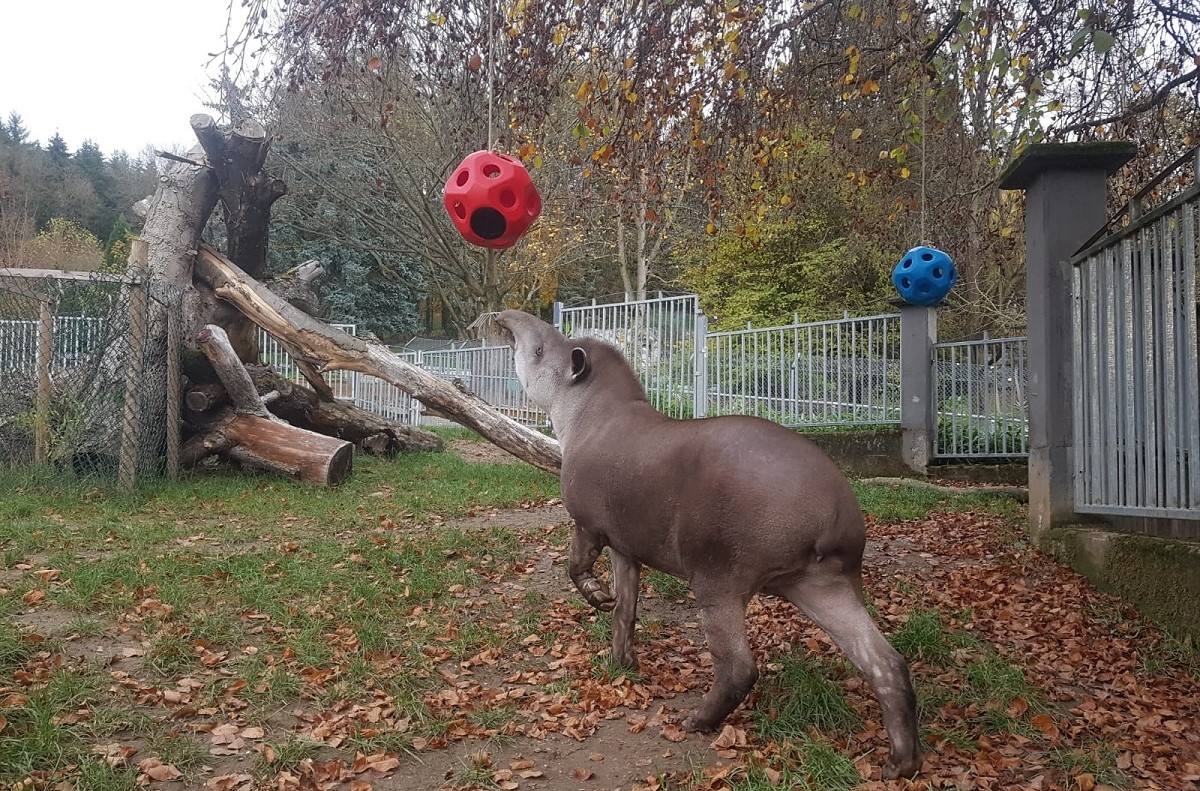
(937, 272)
(533, 202)
(460, 210)
(926, 256)
(462, 177)
(508, 199)
(491, 170)
(487, 223)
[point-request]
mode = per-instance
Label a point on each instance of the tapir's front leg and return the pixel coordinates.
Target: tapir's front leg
(627, 577)
(585, 548)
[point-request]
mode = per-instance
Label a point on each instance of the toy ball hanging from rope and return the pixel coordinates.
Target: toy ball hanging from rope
(491, 199)
(924, 276)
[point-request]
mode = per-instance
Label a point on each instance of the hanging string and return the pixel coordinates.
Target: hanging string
(491, 88)
(924, 104)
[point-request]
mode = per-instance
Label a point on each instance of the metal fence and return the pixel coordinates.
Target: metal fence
(843, 372)
(659, 338)
(272, 353)
(980, 397)
(1137, 396)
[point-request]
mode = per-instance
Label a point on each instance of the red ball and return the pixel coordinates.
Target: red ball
(491, 199)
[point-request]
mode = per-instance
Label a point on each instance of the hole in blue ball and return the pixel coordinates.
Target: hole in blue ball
(937, 272)
(924, 288)
(904, 282)
(926, 256)
(907, 263)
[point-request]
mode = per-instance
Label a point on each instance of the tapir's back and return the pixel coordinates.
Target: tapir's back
(675, 493)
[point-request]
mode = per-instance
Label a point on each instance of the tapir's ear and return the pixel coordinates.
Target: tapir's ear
(580, 365)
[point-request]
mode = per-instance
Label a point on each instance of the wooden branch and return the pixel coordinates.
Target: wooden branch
(213, 341)
(372, 433)
(324, 348)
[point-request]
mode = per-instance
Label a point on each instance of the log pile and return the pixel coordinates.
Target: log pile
(234, 406)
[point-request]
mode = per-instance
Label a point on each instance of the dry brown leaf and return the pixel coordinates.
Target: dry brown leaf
(157, 770)
(597, 757)
(34, 596)
(582, 774)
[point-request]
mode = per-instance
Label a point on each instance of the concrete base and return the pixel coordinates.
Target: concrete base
(1160, 577)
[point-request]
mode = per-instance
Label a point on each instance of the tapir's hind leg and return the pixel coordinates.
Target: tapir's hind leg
(836, 606)
(734, 668)
(626, 581)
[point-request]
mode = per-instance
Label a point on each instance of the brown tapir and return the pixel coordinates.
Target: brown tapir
(734, 505)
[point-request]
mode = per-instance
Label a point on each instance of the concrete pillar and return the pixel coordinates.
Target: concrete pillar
(918, 401)
(1065, 204)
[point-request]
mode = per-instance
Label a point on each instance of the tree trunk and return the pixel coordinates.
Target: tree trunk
(247, 194)
(318, 347)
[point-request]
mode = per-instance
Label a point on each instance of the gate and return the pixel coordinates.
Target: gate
(1137, 396)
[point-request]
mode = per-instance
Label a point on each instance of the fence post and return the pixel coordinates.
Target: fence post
(557, 316)
(131, 427)
(700, 385)
(918, 407)
(1065, 196)
(45, 358)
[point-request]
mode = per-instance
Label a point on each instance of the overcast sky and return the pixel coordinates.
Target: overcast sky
(124, 73)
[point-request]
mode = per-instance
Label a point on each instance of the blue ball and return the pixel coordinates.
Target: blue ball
(924, 276)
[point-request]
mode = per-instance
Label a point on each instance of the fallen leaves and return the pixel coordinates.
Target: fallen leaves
(155, 769)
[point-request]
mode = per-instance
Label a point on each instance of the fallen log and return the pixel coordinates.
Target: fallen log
(317, 347)
(372, 433)
(248, 433)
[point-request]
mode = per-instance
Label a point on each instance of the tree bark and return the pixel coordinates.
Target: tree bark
(317, 347)
(246, 194)
(248, 433)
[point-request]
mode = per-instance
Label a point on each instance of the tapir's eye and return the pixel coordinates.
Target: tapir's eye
(538, 351)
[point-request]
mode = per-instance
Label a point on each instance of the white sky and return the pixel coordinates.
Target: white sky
(124, 73)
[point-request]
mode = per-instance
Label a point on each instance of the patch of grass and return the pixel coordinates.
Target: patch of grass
(605, 668)
(98, 776)
(1098, 760)
(494, 718)
(802, 696)
(1171, 652)
(599, 628)
(997, 681)
(667, 586)
(807, 764)
(900, 503)
(173, 747)
(922, 637)
(32, 740)
(288, 755)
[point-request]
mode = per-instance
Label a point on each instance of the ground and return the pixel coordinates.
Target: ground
(415, 629)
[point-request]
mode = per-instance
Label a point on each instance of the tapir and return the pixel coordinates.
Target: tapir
(734, 505)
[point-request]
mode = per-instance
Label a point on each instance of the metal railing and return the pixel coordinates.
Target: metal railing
(1137, 396)
(842, 372)
(75, 338)
(272, 353)
(980, 399)
(659, 338)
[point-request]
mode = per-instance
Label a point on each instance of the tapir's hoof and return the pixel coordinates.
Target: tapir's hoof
(604, 605)
(893, 770)
(693, 724)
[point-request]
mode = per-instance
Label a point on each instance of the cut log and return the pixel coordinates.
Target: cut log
(248, 433)
(205, 397)
(373, 434)
(317, 347)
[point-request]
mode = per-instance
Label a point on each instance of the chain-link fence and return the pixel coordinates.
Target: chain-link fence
(84, 375)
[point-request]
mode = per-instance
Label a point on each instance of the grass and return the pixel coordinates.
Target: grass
(899, 503)
(808, 764)
(803, 696)
(271, 582)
